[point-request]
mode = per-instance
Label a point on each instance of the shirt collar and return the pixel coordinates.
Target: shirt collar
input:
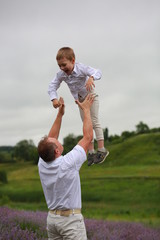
(52, 163)
(75, 69)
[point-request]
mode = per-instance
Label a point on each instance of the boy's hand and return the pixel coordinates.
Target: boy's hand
(56, 103)
(90, 84)
(62, 106)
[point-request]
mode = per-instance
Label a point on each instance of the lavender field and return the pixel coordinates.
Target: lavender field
(29, 225)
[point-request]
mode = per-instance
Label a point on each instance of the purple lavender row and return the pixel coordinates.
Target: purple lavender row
(28, 225)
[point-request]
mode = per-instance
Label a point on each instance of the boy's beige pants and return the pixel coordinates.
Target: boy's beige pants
(94, 116)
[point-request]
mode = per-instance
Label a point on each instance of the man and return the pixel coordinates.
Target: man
(60, 179)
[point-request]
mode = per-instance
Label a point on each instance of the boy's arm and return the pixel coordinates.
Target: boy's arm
(93, 74)
(90, 84)
(56, 103)
(52, 88)
(90, 71)
(55, 129)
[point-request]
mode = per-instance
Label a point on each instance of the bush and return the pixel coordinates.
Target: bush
(3, 177)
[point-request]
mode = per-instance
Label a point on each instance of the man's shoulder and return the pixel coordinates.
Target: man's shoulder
(79, 148)
(75, 156)
(76, 150)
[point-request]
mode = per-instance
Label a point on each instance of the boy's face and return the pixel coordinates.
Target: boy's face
(66, 65)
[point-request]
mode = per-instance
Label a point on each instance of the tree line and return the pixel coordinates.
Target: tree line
(26, 150)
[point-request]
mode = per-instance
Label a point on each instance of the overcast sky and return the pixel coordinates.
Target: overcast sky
(120, 37)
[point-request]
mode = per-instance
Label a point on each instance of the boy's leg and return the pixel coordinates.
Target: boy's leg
(95, 120)
(100, 143)
(102, 152)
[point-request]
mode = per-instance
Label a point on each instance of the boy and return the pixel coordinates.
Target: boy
(80, 80)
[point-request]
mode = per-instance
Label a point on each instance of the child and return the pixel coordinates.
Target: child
(80, 80)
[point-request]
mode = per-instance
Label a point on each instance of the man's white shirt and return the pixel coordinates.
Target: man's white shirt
(60, 179)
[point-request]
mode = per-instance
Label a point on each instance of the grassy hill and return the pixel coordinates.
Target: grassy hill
(142, 149)
(125, 187)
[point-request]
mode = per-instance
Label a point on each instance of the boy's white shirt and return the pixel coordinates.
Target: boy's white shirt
(76, 81)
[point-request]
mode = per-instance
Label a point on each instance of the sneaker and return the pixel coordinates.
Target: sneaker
(91, 158)
(101, 156)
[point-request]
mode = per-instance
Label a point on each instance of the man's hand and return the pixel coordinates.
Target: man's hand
(86, 104)
(90, 84)
(56, 103)
(62, 106)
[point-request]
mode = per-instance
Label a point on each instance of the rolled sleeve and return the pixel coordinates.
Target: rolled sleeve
(95, 73)
(53, 86)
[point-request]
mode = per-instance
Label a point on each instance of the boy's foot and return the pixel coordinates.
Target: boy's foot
(101, 156)
(91, 158)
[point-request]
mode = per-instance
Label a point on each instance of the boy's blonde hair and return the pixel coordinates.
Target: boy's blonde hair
(66, 52)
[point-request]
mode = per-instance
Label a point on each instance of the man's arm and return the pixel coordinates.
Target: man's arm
(87, 123)
(55, 129)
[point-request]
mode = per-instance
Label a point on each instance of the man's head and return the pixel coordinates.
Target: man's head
(49, 149)
(66, 59)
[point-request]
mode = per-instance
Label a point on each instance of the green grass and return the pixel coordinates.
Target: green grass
(125, 187)
(138, 150)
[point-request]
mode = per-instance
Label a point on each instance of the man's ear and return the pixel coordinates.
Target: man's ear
(56, 151)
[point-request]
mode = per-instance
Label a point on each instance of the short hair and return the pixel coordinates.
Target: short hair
(66, 52)
(46, 149)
